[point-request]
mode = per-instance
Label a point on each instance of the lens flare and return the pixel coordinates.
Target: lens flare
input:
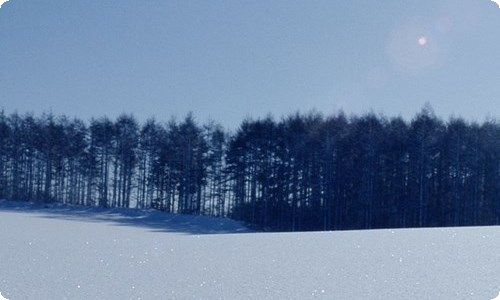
(413, 48)
(422, 41)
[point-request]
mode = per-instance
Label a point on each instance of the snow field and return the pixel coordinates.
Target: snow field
(76, 254)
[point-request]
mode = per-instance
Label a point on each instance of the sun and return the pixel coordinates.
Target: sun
(422, 41)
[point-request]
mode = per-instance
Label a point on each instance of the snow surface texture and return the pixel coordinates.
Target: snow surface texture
(75, 253)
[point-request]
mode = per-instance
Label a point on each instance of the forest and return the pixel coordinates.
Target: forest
(301, 172)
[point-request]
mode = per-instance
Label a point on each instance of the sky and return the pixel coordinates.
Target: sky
(229, 60)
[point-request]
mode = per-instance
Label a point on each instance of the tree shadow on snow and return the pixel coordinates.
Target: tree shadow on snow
(155, 220)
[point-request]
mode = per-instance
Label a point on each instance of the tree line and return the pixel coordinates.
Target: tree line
(303, 172)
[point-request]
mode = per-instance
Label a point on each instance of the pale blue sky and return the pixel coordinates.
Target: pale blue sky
(226, 60)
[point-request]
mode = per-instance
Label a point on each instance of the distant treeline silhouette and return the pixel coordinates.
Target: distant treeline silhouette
(303, 172)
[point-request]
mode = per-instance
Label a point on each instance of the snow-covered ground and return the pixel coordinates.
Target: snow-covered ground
(76, 253)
